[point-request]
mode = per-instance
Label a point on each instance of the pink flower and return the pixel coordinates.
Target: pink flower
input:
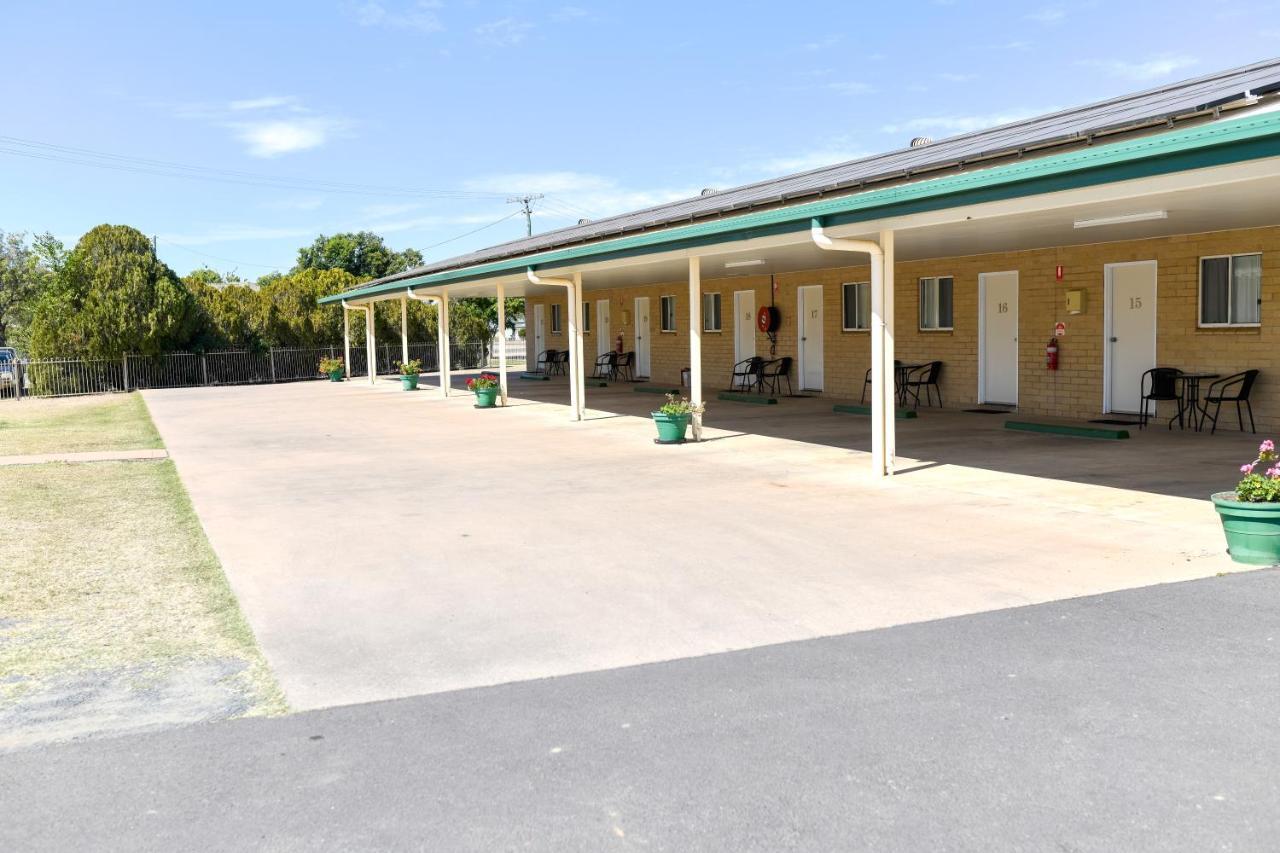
(1267, 446)
(1247, 469)
(1274, 473)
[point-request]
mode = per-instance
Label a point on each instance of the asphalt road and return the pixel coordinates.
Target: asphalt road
(1140, 720)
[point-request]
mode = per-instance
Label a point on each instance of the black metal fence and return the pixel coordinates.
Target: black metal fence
(62, 377)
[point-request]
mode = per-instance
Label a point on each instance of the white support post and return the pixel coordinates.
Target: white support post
(695, 342)
(578, 356)
(346, 340)
(446, 374)
(371, 344)
(889, 378)
(404, 329)
(442, 351)
(573, 289)
(502, 344)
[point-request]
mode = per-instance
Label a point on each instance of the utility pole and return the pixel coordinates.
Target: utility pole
(526, 207)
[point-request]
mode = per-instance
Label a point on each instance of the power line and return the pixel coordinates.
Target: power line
(36, 150)
(219, 258)
(469, 233)
(526, 207)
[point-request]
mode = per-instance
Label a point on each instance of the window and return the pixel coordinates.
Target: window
(935, 302)
(1231, 290)
(668, 306)
(586, 317)
(555, 319)
(857, 306)
(710, 312)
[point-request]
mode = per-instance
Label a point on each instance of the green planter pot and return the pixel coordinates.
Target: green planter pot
(409, 383)
(335, 375)
(671, 428)
(1253, 529)
(486, 398)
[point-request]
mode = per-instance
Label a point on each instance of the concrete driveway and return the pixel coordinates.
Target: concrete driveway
(386, 544)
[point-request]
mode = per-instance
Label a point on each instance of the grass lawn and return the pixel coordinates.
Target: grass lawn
(71, 424)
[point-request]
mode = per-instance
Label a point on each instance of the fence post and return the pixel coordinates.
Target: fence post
(204, 369)
(124, 360)
(271, 354)
(17, 380)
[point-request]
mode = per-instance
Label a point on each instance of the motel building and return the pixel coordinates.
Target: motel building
(1135, 233)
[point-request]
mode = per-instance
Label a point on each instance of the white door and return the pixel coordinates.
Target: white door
(744, 325)
(604, 337)
(642, 336)
(539, 329)
(998, 356)
(1131, 333)
(810, 328)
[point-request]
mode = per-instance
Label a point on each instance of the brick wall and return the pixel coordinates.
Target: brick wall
(1075, 390)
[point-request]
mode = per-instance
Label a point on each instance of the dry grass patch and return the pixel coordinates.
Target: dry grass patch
(104, 567)
(74, 424)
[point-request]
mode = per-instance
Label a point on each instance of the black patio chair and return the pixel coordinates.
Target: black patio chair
(746, 374)
(1233, 389)
(897, 383)
(542, 364)
(605, 365)
(625, 366)
(923, 378)
(562, 362)
(774, 372)
(1161, 384)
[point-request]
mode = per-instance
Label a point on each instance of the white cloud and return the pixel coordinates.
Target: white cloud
(300, 203)
(543, 182)
(952, 77)
(569, 13)
(1150, 69)
(851, 87)
(264, 103)
(274, 137)
(953, 124)
(571, 195)
(233, 233)
(1047, 15)
(503, 32)
(823, 43)
(421, 16)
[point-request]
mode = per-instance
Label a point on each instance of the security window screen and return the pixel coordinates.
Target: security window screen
(936, 303)
(710, 312)
(857, 306)
(668, 306)
(555, 319)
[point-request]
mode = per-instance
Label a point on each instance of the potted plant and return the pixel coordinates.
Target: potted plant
(332, 367)
(409, 371)
(673, 418)
(485, 387)
(1251, 514)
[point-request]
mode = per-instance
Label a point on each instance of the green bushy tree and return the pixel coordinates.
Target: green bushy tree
(364, 255)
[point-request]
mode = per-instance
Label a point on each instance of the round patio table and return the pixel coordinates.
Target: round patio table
(1191, 391)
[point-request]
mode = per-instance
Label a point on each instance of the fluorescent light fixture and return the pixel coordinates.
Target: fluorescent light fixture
(1123, 218)
(753, 263)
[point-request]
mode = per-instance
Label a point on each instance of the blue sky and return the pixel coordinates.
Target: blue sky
(416, 119)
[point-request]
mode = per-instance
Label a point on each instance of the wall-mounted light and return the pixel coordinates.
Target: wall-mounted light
(1122, 219)
(752, 263)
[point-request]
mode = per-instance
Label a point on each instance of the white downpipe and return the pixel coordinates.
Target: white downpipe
(404, 330)
(695, 342)
(441, 352)
(371, 356)
(502, 344)
(346, 340)
(575, 404)
(579, 358)
(446, 363)
(882, 378)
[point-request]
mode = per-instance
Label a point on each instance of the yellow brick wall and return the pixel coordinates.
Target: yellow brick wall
(1075, 390)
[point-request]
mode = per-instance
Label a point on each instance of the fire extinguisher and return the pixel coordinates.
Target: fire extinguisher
(617, 344)
(1051, 354)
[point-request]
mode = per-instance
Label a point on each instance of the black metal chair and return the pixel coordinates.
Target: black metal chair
(543, 363)
(562, 362)
(774, 372)
(606, 366)
(923, 378)
(625, 366)
(746, 374)
(1161, 384)
(1233, 389)
(897, 383)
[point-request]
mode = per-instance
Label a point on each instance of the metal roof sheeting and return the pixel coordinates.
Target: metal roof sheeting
(1126, 113)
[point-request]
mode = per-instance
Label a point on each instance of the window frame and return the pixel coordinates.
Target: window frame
(557, 319)
(844, 306)
(920, 303)
(662, 314)
(586, 316)
(719, 312)
(1231, 261)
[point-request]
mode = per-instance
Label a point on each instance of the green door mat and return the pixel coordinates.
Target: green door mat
(535, 376)
(740, 397)
(655, 389)
(1068, 429)
(859, 409)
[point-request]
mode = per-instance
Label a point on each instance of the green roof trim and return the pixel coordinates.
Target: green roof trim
(1204, 146)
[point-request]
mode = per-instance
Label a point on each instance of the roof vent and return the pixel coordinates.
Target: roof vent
(921, 141)
(583, 221)
(709, 191)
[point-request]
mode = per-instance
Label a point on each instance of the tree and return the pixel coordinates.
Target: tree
(287, 314)
(364, 255)
(228, 316)
(25, 271)
(112, 296)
